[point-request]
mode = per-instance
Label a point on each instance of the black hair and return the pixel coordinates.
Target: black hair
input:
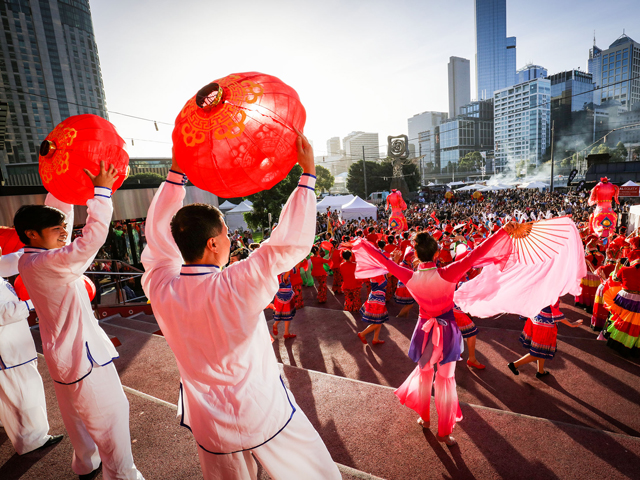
(381, 244)
(390, 239)
(314, 250)
(346, 254)
(192, 227)
(425, 246)
(36, 217)
(241, 253)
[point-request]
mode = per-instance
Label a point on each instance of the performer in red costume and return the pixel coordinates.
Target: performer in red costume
(397, 220)
(603, 220)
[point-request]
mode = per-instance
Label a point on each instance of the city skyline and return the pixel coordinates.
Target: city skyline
(344, 70)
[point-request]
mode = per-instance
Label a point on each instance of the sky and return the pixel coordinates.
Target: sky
(359, 65)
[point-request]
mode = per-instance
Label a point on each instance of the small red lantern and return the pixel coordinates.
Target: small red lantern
(21, 290)
(79, 142)
(9, 241)
(237, 135)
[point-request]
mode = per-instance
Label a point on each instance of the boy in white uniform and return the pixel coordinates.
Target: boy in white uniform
(78, 352)
(23, 409)
(231, 395)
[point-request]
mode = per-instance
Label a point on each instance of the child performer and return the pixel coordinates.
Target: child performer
(232, 396)
(539, 336)
(79, 355)
(296, 285)
(436, 339)
(285, 310)
(336, 261)
(23, 409)
(319, 273)
(350, 285)
(402, 295)
(374, 311)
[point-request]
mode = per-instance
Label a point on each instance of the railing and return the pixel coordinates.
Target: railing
(118, 277)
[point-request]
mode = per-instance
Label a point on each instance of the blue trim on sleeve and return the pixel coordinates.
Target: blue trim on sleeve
(175, 183)
(199, 265)
(4, 367)
(194, 274)
(106, 188)
(307, 186)
(178, 173)
(293, 410)
(103, 196)
(308, 175)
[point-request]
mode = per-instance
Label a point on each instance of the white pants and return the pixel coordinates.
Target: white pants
(95, 412)
(23, 410)
(296, 452)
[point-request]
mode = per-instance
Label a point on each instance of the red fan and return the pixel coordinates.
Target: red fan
(9, 241)
(22, 293)
(237, 136)
(79, 142)
(326, 245)
(533, 242)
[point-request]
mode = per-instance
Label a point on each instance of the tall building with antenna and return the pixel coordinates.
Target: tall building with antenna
(50, 71)
(594, 67)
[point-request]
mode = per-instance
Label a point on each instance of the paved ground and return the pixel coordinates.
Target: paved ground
(580, 422)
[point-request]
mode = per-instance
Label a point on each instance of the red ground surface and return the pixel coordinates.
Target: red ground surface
(583, 421)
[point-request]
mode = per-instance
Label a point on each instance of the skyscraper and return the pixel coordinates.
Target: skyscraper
(594, 67)
(522, 125)
(495, 53)
(530, 72)
(459, 84)
(354, 142)
(620, 72)
(50, 70)
(422, 122)
(333, 146)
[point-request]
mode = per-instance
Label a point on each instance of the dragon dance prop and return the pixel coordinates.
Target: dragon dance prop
(603, 220)
(397, 220)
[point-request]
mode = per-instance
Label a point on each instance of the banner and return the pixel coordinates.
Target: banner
(629, 191)
(580, 186)
(572, 175)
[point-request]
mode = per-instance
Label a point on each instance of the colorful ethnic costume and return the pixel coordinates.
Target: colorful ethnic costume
(351, 287)
(284, 308)
(320, 275)
(402, 295)
(600, 312)
(296, 285)
(540, 332)
(624, 328)
(603, 220)
(336, 261)
(591, 282)
(375, 309)
(232, 396)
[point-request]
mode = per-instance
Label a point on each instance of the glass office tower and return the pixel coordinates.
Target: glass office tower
(495, 53)
(50, 71)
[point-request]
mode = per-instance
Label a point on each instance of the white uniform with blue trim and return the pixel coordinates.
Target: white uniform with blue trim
(78, 352)
(23, 409)
(232, 397)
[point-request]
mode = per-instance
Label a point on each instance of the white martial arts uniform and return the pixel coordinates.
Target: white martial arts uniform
(232, 397)
(23, 409)
(78, 352)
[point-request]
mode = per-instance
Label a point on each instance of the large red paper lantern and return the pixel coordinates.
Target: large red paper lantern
(9, 240)
(237, 136)
(21, 290)
(79, 142)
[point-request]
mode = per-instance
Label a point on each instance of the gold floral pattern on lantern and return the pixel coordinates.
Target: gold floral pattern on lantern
(62, 137)
(225, 120)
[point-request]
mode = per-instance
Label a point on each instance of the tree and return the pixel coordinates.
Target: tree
(324, 179)
(471, 162)
(600, 149)
(620, 153)
(272, 200)
(355, 179)
(147, 178)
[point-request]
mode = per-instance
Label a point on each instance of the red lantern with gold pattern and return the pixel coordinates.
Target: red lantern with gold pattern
(237, 135)
(79, 142)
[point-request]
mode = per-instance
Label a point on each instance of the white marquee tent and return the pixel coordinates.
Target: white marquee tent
(475, 186)
(333, 202)
(235, 218)
(358, 208)
(227, 205)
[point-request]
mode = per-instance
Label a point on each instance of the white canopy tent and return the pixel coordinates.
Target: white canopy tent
(493, 188)
(235, 218)
(333, 202)
(538, 185)
(455, 184)
(227, 205)
(630, 183)
(358, 208)
(475, 186)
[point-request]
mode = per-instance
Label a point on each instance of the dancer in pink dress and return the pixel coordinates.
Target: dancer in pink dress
(436, 339)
